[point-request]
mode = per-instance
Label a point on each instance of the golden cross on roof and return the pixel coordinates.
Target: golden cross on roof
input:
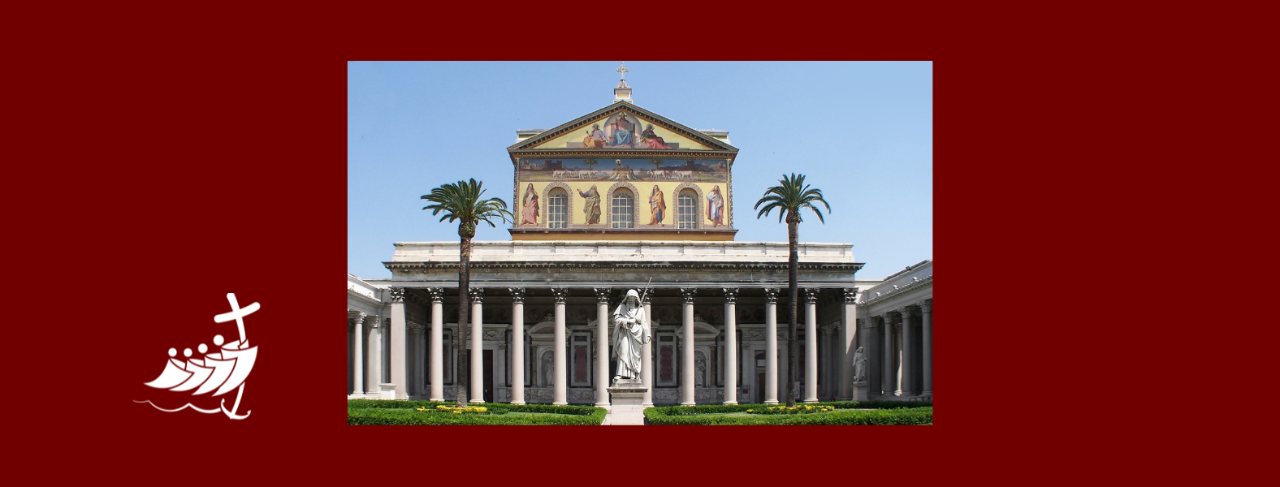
(623, 70)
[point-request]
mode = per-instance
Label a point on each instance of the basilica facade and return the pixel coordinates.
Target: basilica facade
(621, 199)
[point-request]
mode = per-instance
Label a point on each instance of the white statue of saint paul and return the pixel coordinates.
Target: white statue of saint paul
(630, 332)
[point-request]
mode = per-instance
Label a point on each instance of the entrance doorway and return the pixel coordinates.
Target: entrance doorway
(760, 369)
(487, 383)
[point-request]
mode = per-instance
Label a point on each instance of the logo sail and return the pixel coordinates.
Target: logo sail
(225, 370)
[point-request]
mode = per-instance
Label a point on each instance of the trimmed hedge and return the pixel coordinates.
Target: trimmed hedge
(493, 407)
(372, 411)
(394, 404)
(901, 415)
(737, 408)
(412, 417)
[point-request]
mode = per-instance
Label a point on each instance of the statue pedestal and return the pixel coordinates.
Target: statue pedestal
(627, 399)
(861, 391)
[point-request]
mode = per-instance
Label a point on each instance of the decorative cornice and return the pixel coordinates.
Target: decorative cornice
(517, 294)
(351, 293)
(811, 295)
(901, 290)
(436, 293)
(730, 295)
(771, 295)
(476, 294)
(850, 295)
(687, 293)
(744, 266)
(559, 293)
(397, 295)
(602, 294)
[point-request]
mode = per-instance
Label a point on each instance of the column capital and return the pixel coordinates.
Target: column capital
(416, 328)
(811, 295)
(602, 294)
(850, 295)
(771, 295)
(730, 295)
(687, 293)
(397, 295)
(517, 294)
(436, 293)
(905, 312)
(476, 294)
(559, 293)
(358, 315)
(927, 306)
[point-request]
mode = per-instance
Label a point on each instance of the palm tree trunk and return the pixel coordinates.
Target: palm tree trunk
(464, 308)
(793, 263)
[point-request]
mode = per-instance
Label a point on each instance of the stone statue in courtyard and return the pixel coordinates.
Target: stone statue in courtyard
(547, 371)
(701, 367)
(630, 332)
(859, 366)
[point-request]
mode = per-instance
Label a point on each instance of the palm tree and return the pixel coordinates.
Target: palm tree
(656, 163)
(463, 202)
(789, 197)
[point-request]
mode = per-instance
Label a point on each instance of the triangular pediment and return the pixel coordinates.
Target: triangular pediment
(622, 126)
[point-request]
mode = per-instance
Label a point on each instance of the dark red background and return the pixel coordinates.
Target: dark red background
(166, 157)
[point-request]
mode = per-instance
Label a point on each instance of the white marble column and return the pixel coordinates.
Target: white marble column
(771, 346)
(517, 345)
(848, 343)
(477, 344)
(398, 344)
(730, 346)
(927, 325)
(910, 355)
(888, 372)
(559, 395)
(374, 375)
(358, 387)
(437, 343)
(686, 362)
(646, 352)
(900, 355)
(602, 347)
(811, 344)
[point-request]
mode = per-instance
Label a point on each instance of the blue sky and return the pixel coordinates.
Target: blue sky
(861, 131)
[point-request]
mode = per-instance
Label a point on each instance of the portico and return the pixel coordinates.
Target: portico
(716, 310)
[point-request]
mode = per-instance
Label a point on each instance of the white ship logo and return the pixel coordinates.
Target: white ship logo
(219, 372)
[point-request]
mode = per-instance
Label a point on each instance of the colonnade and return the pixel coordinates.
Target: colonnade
(907, 359)
(406, 338)
(367, 370)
